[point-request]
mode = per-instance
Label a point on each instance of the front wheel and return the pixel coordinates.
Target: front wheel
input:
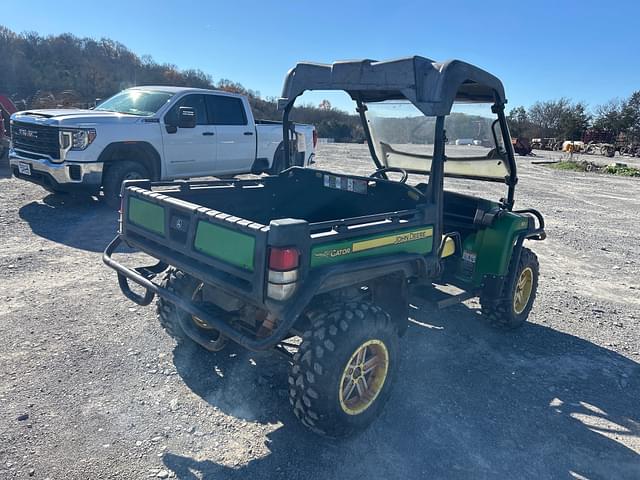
(511, 308)
(117, 173)
(344, 371)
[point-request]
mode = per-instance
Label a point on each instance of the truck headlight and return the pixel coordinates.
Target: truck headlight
(77, 139)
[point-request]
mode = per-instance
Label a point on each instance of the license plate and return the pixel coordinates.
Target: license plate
(24, 168)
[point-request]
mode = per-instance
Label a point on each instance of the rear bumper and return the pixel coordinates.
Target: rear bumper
(143, 276)
(63, 177)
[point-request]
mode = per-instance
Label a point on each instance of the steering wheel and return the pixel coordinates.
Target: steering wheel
(381, 171)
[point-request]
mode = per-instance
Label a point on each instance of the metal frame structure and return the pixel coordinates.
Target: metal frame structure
(430, 86)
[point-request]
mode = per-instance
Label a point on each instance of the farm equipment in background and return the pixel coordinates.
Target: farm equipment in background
(521, 146)
(630, 150)
(627, 146)
(549, 143)
(573, 146)
(604, 149)
(599, 142)
(6, 109)
(598, 136)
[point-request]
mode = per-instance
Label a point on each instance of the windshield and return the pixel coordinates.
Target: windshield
(403, 137)
(135, 102)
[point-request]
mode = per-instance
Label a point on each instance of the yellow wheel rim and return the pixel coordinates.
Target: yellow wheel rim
(523, 290)
(363, 377)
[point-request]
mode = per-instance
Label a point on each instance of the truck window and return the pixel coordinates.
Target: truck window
(226, 110)
(194, 101)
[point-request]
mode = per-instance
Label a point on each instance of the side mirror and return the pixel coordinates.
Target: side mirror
(186, 117)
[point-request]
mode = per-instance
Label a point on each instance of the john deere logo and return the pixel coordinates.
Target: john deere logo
(411, 236)
(369, 244)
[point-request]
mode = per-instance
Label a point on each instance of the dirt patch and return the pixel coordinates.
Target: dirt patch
(90, 387)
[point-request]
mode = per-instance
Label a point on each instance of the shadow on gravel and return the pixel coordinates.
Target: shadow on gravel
(5, 171)
(470, 402)
(77, 221)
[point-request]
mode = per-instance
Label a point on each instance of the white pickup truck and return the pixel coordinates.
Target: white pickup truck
(161, 133)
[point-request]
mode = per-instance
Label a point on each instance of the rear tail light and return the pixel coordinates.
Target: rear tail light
(315, 138)
(283, 259)
(283, 272)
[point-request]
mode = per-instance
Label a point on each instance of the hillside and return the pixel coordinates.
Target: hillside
(42, 72)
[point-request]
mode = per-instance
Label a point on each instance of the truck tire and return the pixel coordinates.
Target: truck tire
(171, 317)
(118, 172)
(333, 353)
(511, 309)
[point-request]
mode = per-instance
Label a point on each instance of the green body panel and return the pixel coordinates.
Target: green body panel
(414, 240)
(488, 251)
(224, 244)
(146, 215)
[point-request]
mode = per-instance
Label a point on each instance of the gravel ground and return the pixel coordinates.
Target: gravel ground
(90, 386)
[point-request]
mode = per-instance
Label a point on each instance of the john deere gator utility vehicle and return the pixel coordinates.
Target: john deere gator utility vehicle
(318, 265)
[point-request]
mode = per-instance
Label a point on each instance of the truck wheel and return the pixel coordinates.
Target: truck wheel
(171, 317)
(511, 309)
(117, 173)
(344, 371)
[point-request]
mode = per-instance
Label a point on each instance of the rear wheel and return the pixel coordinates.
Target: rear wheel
(344, 371)
(511, 308)
(171, 317)
(118, 172)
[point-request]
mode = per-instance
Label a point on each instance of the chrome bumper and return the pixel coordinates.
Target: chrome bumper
(63, 174)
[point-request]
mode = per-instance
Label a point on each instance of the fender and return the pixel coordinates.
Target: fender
(390, 273)
(147, 153)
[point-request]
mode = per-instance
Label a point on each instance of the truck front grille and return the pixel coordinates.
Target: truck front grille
(41, 139)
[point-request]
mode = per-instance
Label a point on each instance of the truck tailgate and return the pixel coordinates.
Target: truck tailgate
(219, 248)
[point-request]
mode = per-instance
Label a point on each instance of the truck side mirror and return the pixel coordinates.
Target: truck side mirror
(186, 117)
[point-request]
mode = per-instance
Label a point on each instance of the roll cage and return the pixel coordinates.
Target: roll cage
(432, 87)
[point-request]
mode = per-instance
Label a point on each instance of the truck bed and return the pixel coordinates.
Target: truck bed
(308, 195)
(220, 231)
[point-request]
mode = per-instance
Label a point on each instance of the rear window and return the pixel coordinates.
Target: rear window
(226, 110)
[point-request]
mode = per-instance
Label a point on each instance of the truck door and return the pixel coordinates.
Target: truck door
(189, 152)
(236, 137)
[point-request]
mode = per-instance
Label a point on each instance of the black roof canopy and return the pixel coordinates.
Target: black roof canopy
(431, 86)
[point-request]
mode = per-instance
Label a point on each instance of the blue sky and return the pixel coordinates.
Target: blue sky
(541, 50)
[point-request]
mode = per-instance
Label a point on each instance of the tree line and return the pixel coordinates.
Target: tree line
(35, 68)
(568, 120)
(44, 71)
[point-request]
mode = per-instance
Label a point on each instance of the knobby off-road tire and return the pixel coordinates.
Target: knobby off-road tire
(511, 309)
(322, 369)
(117, 173)
(170, 316)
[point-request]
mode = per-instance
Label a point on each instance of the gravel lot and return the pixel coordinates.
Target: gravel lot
(90, 387)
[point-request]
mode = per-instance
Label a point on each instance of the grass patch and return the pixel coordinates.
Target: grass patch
(568, 166)
(582, 166)
(622, 170)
